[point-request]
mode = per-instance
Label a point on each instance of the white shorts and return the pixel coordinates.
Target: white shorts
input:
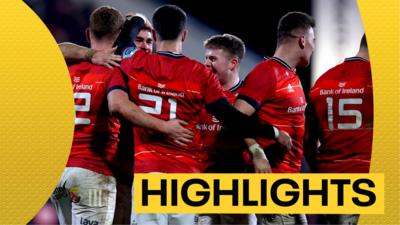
(84, 197)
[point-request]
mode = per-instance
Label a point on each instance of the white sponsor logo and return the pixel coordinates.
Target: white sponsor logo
(290, 88)
(297, 109)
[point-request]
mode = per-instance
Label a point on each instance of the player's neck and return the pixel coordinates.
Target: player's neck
(169, 46)
(101, 45)
(363, 54)
(231, 82)
(284, 52)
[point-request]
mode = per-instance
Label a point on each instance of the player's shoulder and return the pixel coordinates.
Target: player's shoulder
(80, 66)
(359, 64)
(195, 67)
(264, 71)
(331, 73)
(338, 72)
(267, 67)
(88, 68)
(268, 63)
(134, 54)
(180, 63)
(133, 58)
(198, 66)
(130, 52)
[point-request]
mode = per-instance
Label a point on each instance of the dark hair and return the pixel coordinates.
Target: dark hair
(169, 21)
(146, 28)
(363, 43)
(293, 21)
(130, 15)
(105, 22)
(227, 42)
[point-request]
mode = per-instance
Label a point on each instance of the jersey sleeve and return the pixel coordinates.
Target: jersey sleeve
(212, 88)
(116, 81)
(258, 86)
(126, 65)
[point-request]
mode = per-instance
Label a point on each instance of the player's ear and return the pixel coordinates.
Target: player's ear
(87, 34)
(184, 35)
(302, 41)
(234, 62)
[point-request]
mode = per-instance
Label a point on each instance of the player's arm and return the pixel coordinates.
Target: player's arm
(244, 125)
(129, 32)
(120, 106)
(261, 163)
(311, 136)
(248, 127)
(260, 160)
(75, 53)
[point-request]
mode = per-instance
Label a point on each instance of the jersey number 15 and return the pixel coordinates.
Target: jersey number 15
(344, 112)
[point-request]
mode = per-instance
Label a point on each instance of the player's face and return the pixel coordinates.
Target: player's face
(308, 47)
(144, 40)
(218, 61)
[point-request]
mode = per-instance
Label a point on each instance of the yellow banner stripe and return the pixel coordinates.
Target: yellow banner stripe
(259, 193)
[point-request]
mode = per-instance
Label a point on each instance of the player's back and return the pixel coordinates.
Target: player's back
(168, 86)
(275, 91)
(96, 131)
(342, 99)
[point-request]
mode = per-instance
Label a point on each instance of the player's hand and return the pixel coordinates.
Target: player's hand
(261, 165)
(175, 130)
(106, 58)
(285, 140)
(260, 161)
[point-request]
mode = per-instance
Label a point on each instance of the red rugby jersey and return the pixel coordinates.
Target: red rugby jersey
(342, 101)
(168, 86)
(96, 131)
(225, 153)
(275, 91)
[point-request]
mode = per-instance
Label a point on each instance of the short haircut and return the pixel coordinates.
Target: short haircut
(146, 28)
(293, 21)
(130, 15)
(105, 22)
(169, 21)
(363, 43)
(227, 42)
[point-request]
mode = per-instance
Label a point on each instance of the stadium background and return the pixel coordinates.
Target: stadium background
(338, 31)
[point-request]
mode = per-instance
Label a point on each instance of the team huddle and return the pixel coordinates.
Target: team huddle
(145, 110)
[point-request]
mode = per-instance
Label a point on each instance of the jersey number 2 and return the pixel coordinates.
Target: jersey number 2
(82, 108)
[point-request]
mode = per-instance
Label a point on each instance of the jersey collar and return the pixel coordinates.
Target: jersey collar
(355, 58)
(236, 86)
(170, 54)
(283, 63)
